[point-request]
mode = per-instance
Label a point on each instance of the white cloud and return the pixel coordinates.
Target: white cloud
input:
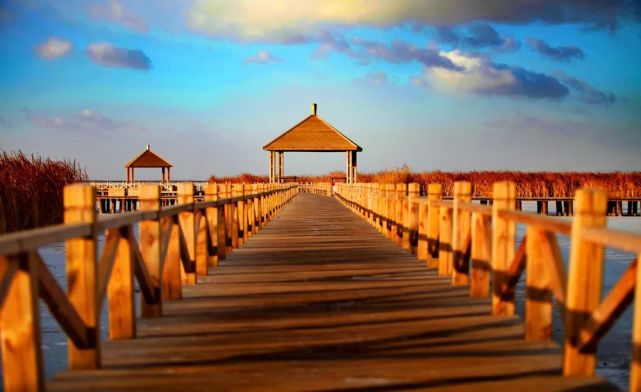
(262, 57)
(481, 76)
(53, 48)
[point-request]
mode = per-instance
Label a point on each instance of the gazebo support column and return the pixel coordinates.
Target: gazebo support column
(281, 166)
(354, 166)
(168, 174)
(348, 169)
(272, 167)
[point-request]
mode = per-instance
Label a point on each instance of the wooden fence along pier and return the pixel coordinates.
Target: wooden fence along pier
(175, 245)
(319, 299)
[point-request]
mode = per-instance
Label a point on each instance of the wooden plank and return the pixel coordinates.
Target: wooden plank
(107, 260)
(120, 290)
(627, 241)
(141, 273)
(60, 307)
(585, 280)
(25, 241)
(22, 366)
(610, 309)
(503, 234)
(82, 283)
(547, 223)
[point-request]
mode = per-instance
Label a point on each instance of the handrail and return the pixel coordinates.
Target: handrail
(475, 244)
(175, 244)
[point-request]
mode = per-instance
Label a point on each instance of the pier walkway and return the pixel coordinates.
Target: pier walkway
(320, 300)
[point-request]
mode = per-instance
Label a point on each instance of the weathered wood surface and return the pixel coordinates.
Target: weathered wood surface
(319, 300)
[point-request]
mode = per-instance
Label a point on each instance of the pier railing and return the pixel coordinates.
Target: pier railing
(476, 245)
(174, 245)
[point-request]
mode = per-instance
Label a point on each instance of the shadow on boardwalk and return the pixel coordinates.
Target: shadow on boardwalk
(319, 300)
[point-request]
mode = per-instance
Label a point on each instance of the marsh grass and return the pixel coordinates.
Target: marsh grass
(31, 189)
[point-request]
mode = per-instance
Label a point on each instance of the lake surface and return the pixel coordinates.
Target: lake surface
(614, 353)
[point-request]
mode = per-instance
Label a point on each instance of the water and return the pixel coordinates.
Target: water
(614, 353)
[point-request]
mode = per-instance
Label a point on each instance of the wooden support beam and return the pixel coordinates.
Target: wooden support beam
(610, 309)
(82, 284)
(20, 325)
(60, 307)
(105, 265)
(410, 221)
(585, 281)
(503, 234)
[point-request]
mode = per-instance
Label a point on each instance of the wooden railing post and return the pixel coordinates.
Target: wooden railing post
(434, 193)
(480, 256)
(235, 216)
(82, 287)
(171, 282)
(538, 284)
(390, 212)
(503, 234)
(401, 211)
(228, 212)
(20, 325)
(585, 280)
(120, 291)
(187, 226)
(445, 241)
(149, 200)
(410, 224)
(211, 213)
(635, 365)
(460, 233)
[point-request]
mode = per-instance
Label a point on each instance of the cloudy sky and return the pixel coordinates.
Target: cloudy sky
(450, 85)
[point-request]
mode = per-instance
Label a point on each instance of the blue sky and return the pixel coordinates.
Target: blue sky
(457, 85)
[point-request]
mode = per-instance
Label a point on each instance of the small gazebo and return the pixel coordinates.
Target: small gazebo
(149, 158)
(313, 134)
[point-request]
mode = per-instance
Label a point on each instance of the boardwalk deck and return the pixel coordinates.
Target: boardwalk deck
(319, 300)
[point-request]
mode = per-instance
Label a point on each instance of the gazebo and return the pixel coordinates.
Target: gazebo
(149, 158)
(313, 134)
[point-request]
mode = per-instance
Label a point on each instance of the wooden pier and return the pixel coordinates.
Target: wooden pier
(284, 287)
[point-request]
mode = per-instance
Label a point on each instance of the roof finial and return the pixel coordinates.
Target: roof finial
(314, 109)
(148, 147)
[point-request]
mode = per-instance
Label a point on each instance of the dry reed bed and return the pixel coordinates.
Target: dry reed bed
(31, 189)
(529, 184)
